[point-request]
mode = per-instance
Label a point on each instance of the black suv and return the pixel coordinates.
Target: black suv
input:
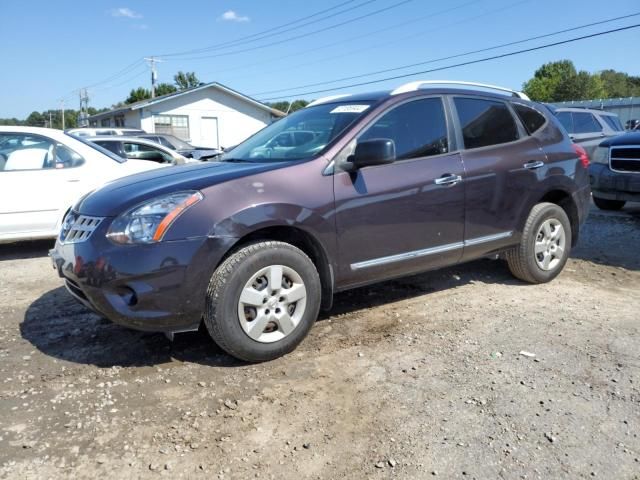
(615, 172)
(388, 184)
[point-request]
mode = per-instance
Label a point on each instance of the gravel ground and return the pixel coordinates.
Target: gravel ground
(460, 373)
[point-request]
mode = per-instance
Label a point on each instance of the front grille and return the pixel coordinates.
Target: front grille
(77, 228)
(625, 159)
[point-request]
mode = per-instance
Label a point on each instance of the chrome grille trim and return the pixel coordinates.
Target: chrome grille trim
(78, 228)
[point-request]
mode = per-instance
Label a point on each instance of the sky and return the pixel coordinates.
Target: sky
(52, 49)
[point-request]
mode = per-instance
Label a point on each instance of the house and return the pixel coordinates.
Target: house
(210, 115)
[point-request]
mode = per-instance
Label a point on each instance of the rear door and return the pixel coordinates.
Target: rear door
(501, 163)
(406, 216)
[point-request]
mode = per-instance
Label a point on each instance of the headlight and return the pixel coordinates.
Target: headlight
(149, 221)
(601, 155)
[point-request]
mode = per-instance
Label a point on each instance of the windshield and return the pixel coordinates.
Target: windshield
(177, 143)
(301, 135)
(100, 149)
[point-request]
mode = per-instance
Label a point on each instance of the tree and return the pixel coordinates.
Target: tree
(559, 81)
(165, 89)
(185, 80)
(138, 94)
(35, 119)
(289, 107)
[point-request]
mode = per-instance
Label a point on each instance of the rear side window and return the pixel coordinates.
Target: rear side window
(530, 118)
(418, 128)
(566, 121)
(613, 122)
(485, 122)
(585, 123)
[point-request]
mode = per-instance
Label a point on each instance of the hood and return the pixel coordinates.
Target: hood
(630, 138)
(119, 195)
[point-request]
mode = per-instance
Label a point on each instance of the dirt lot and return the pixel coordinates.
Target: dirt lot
(414, 378)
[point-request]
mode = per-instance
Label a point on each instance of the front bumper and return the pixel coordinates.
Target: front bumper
(614, 185)
(155, 287)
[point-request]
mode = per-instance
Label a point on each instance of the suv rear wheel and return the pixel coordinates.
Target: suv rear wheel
(262, 301)
(544, 247)
(604, 204)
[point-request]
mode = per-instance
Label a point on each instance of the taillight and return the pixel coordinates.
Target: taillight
(582, 155)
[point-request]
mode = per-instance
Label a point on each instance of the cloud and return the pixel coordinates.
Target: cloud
(141, 26)
(231, 16)
(125, 12)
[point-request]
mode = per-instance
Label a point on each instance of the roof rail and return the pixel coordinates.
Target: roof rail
(413, 86)
(327, 99)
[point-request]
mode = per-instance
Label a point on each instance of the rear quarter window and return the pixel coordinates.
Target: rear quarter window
(585, 123)
(485, 122)
(530, 118)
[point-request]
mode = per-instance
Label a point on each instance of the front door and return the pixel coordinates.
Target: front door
(209, 132)
(406, 216)
(38, 177)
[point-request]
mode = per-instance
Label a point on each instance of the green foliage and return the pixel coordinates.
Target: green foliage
(185, 80)
(165, 89)
(289, 107)
(560, 81)
(138, 94)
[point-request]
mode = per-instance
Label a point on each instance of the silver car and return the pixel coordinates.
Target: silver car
(136, 148)
(589, 127)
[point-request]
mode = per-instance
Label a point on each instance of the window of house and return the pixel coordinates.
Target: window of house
(585, 123)
(118, 121)
(177, 125)
(485, 122)
(105, 122)
(418, 128)
(531, 118)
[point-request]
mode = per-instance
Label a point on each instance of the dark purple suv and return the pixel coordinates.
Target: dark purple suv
(379, 185)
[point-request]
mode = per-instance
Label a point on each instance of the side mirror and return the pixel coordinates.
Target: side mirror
(377, 151)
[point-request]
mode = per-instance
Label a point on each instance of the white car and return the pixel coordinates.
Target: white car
(99, 131)
(43, 172)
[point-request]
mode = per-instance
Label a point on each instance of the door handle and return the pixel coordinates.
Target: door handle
(448, 179)
(73, 180)
(533, 165)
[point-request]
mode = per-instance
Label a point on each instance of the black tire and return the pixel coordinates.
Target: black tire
(605, 204)
(522, 259)
(228, 281)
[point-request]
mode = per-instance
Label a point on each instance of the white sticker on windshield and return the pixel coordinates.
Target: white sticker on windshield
(350, 109)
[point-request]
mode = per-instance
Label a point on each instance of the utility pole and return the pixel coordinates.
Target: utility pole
(50, 120)
(62, 108)
(83, 117)
(153, 61)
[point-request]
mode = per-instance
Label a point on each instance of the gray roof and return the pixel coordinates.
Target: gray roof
(153, 101)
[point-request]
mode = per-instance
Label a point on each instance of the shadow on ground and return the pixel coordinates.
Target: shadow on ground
(62, 328)
(33, 249)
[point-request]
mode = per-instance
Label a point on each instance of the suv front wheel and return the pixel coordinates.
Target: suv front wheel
(262, 301)
(544, 247)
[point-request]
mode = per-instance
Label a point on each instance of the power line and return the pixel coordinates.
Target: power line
(450, 57)
(462, 64)
(297, 37)
(368, 34)
(273, 31)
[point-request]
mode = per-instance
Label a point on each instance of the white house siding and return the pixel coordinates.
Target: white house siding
(237, 119)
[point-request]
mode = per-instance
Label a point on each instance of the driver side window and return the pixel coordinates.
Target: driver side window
(418, 129)
(20, 151)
